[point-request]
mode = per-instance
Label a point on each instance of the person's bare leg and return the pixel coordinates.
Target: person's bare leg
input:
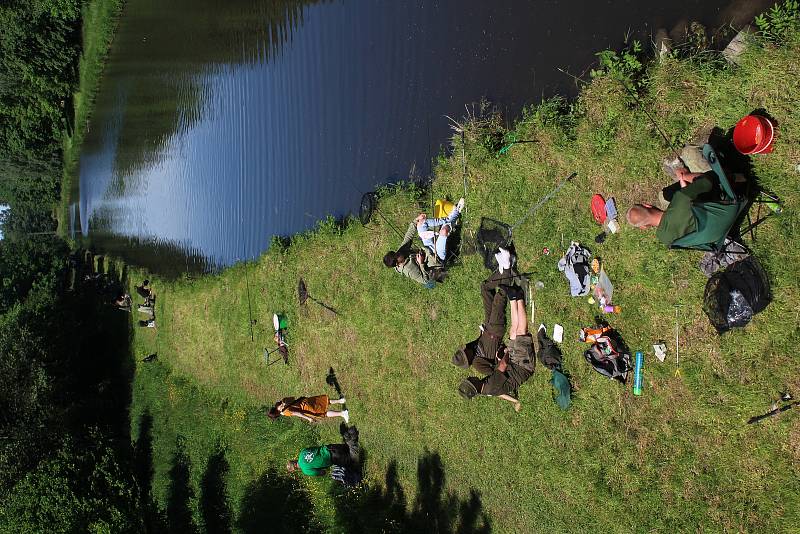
(512, 333)
(518, 311)
(344, 414)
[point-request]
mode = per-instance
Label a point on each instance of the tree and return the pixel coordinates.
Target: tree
(80, 488)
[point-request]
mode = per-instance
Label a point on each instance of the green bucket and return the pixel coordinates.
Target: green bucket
(279, 321)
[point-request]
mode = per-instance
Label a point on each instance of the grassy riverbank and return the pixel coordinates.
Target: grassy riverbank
(98, 22)
(678, 458)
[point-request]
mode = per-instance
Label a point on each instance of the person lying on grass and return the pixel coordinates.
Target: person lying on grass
(424, 266)
(312, 409)
(686, 198)
(506, 367)
(314, 461)
(484, 352)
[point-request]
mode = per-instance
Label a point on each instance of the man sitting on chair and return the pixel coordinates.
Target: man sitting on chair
(693, 207)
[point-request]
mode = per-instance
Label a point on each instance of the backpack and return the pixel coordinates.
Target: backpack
(733, 295)
(606, 358)
(490, 236)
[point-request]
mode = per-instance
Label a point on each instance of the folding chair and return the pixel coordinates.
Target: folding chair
(718, 220)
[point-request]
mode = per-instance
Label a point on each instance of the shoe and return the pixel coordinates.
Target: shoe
(513, 292)
(346, 416)
(503, 258)
(460, 205)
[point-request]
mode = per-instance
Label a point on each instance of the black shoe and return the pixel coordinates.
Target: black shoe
(513, 292)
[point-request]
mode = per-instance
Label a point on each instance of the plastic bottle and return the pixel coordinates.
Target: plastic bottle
(637, 373)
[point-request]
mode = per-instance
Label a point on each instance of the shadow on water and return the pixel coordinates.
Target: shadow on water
(170, 260)
(157, 107)
(214, 496)
(384, 508)
(181, 493)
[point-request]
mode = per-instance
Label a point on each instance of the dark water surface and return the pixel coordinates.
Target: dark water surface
(220, 123)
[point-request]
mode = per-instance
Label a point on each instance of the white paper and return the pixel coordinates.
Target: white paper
(558, 333)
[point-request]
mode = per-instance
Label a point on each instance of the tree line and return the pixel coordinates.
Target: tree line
(64, 434)
(39, 49)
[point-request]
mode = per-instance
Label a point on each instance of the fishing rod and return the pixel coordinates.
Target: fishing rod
(641, 106)
(541, 202)
(653, 121)
(249, 305)
(430, 169)
(464, 161)
(785, 397)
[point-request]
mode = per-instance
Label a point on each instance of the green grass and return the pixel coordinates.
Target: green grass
(678, 458)
(99, 20)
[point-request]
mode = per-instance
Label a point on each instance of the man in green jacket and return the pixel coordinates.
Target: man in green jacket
(691, 201)
(424, 266)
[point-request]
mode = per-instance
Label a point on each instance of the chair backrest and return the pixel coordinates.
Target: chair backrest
(713, 160)
(714, 219)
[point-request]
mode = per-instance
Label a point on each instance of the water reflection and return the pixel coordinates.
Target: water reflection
(222, 123)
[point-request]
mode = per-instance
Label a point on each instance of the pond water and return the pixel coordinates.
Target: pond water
(220, 123)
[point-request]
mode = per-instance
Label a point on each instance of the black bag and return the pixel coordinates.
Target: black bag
(489, 238)
(607, 358)
(734, 295)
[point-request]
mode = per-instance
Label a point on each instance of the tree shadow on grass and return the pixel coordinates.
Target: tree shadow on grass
(276, 503)
(143, 472)
(214, 496)
(179, 512)
(383, 508)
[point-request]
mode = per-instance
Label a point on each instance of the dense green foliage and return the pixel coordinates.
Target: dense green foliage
(39, 48)
(64, 452)
(64, 381)
(81, 487)
(780, 23)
